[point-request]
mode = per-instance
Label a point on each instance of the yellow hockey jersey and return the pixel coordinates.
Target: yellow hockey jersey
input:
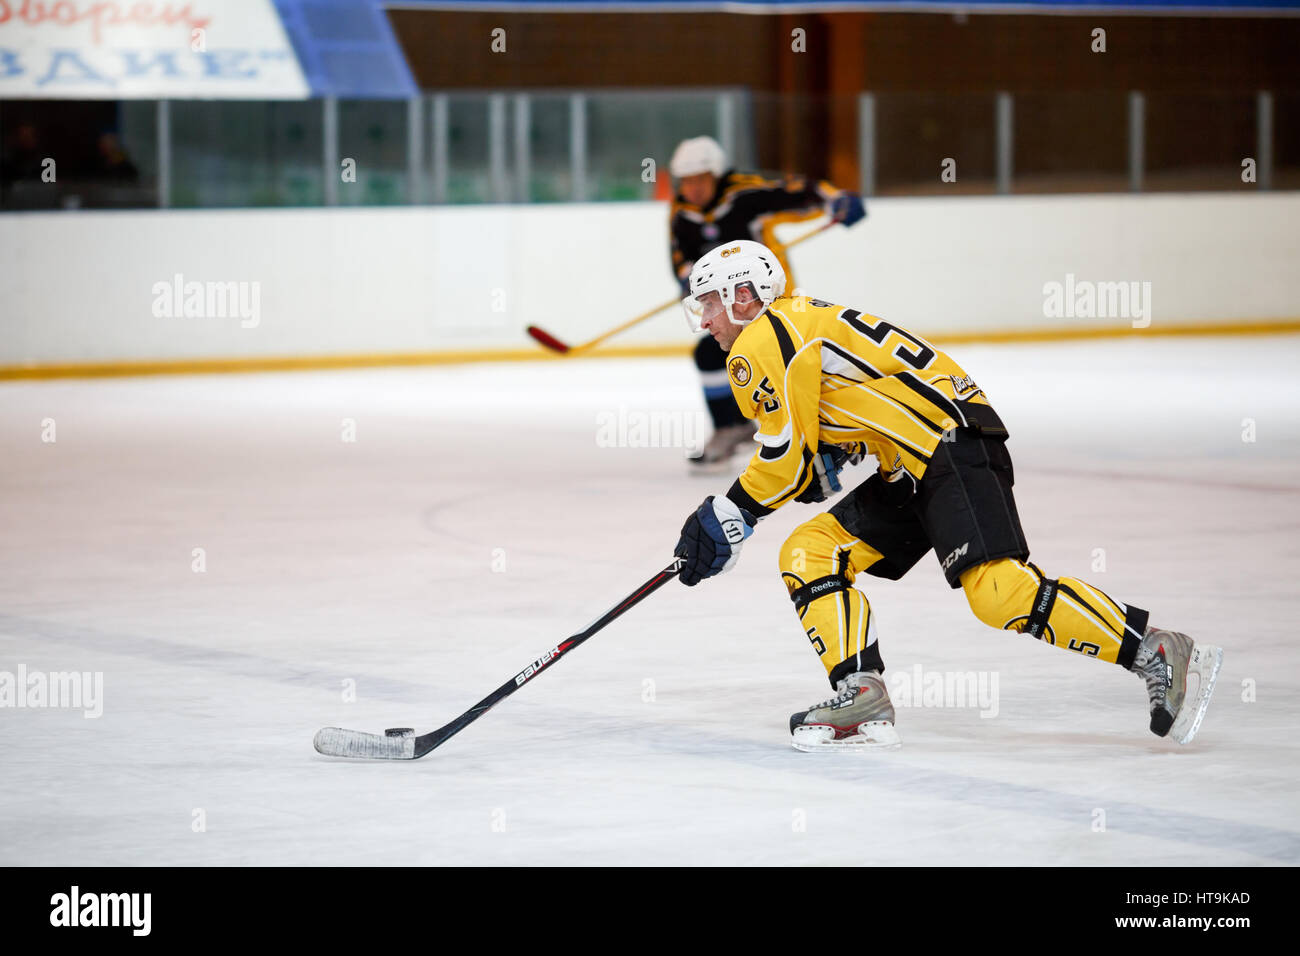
(809, 371)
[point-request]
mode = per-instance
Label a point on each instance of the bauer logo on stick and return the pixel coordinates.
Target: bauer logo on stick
(536, 665)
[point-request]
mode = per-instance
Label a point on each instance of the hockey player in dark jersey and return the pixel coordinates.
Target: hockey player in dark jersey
(828, 384)
(716, 204)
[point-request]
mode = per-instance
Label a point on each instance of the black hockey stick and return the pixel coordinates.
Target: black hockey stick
(401, 744)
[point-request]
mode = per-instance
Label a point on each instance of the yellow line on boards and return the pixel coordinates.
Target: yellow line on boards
(294, 363)
(204, 366)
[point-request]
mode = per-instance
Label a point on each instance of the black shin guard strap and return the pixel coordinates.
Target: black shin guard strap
(1042, 609)
(1135, 628)
(819, 588)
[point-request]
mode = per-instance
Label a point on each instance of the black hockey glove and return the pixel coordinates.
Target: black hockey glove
(827, 463)
(711, 539)
(856, 450)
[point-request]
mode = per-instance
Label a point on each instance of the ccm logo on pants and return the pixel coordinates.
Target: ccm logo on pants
(947, 562)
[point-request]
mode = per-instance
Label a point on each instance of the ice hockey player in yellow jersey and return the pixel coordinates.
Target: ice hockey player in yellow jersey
(829, 385)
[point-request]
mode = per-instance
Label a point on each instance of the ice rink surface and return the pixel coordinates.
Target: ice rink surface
(484, 512)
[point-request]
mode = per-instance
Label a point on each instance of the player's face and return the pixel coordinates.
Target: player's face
(714, 320)
(724, 332)
(698, 189)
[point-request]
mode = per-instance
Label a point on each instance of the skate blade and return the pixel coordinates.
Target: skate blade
(876, 735)
(1204, 668)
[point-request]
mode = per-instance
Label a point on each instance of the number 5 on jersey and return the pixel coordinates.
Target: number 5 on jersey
(766, 395)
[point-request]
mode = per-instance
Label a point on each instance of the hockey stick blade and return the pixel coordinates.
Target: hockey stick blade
(359, 745)
(356, 744)
(337, 742)
(547, 339)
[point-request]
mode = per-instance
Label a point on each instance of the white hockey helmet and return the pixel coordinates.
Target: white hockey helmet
(699, 155)
(721, 273)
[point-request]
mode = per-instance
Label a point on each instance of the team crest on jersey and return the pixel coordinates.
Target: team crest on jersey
(739, 369)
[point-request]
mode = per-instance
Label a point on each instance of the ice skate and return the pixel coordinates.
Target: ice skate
(717, 452)
(858, 718)
(1180, 676)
